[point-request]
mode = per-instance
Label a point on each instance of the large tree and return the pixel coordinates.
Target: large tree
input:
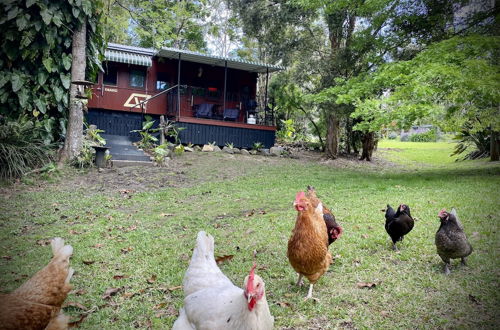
(328, 42)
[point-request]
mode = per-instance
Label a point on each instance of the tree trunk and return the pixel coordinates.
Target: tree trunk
(332, 136)
(74, 131)
(368, 146)
(494, 146)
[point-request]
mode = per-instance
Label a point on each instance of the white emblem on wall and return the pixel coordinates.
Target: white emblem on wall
(135, 98)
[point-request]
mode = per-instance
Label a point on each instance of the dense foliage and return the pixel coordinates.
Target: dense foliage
(35, 58)
(21, 148)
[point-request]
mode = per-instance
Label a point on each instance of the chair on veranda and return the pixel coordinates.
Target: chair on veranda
(231, 114)
(204, 110)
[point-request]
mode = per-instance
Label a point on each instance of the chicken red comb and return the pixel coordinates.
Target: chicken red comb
(442, 212)
(299, 196)
(251, 277)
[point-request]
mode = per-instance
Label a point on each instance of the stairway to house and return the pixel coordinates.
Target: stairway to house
(123, 152)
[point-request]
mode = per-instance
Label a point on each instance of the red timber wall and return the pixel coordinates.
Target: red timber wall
(240, 86)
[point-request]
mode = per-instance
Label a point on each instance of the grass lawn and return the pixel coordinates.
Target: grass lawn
(135, 228)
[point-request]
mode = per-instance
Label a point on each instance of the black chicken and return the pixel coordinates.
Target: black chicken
(399, 223)
(451, 242)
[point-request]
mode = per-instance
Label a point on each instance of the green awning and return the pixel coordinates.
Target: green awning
(129, 58)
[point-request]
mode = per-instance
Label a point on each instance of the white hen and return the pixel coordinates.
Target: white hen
(213, 302)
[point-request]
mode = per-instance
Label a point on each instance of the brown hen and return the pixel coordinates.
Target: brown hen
(37, 303)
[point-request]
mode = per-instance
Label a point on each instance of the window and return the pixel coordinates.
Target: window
(110, 76)
(137, 78)
(161, 81)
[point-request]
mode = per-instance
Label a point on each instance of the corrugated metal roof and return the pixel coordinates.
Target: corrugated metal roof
(127, 57)
(198, 58)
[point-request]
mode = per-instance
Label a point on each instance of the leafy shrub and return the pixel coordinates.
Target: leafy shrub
(91, 138)
(429, 136)
(147, 138)
(21, 148)
(393, 136)
(257, 146)
(475, 145)
(160, 153)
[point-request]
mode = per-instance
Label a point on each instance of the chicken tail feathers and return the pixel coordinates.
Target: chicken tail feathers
(59, 250)
(204, 246)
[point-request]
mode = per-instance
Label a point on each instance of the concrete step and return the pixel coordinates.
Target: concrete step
(122, 149)
(117, 139)
(130, 157)
(123, 163)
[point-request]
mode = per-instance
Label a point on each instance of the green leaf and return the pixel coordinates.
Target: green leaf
(17, 82)
(87, 7)
(46, 16)
(27, 39)
(4, 79)
(76, 12)
(30, 3)
(58, 93)
(22, 22)
(57, 19)
(47, 62)
(40, 104)
(23, 97)
(65, 80)
(12, 13)
(66, 60)
(42, 77)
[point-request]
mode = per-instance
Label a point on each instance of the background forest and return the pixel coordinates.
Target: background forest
(355, 69)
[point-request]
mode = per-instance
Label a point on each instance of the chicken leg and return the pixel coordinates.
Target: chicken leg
(299, 281)
(310, 293)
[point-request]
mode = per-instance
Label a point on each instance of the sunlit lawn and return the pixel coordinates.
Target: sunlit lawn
(125, 242)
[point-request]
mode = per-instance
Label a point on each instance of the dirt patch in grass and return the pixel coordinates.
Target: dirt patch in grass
(186, 171)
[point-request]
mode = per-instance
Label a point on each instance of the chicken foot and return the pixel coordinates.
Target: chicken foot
(464, 262)
(310, 293)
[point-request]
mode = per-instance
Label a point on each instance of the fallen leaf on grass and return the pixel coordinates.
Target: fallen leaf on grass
(474, 300)
(127, 250)
(78, 292)
(384, 313)
(173, 288)
(364, 236)
(249, 214)
(74, 304)
(43, 242)
(166, 215)
(110, 292)
(119, 277)
(249, 231)
(283, 304)
(7, 257)
(77, 322)
(152, 279)
(74, 232)
(262, 212)
(88, 262)
(367, 285)
(128, 295)
(97, 246)
(221, 259)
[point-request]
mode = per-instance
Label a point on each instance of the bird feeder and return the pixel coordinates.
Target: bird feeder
(81, 86)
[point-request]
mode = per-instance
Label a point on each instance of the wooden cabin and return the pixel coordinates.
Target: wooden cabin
(213, 98)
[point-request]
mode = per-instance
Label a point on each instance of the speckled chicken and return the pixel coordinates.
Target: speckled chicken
(398, 223)
(37, 303)
(333, 229)
(451, 242)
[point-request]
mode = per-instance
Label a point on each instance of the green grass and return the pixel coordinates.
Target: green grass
(417, 153)
(216, 195)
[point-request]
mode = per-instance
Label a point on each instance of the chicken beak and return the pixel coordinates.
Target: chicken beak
(250, 296)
